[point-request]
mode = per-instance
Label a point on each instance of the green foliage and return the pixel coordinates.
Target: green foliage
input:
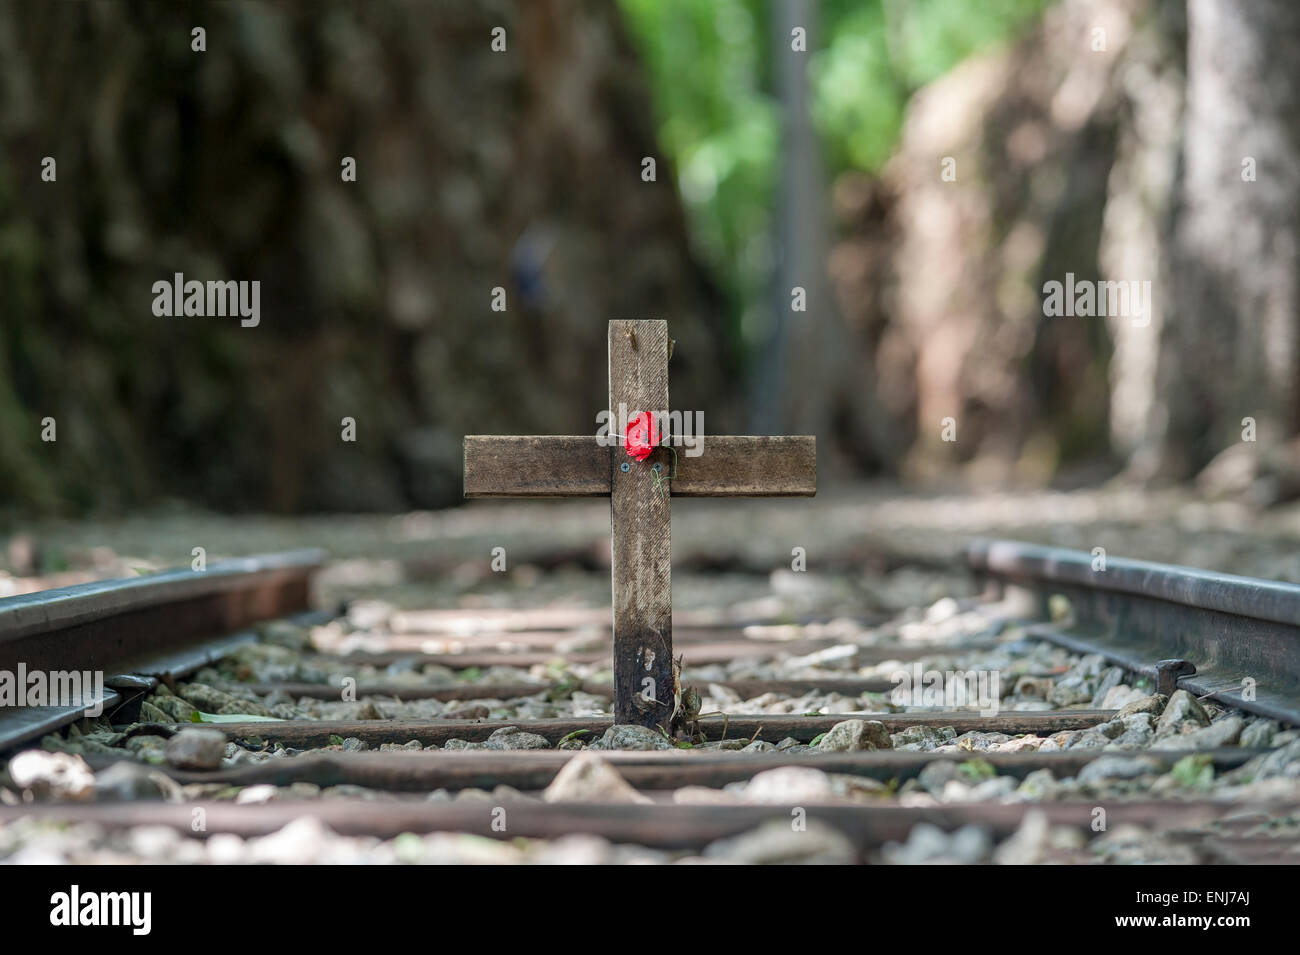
(977, 770)
(564, 689)
(874, 55)
(1194, 772)
(709, 67)
(718, 125)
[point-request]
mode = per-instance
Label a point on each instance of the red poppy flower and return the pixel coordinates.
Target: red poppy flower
(642, 436)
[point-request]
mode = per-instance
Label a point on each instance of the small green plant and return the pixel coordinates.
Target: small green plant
(977, 770)
(563, 690)
(1194, 772)
(661, 482)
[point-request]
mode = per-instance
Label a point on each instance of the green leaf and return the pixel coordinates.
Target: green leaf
(1195, 771)
(817, 739)
(336, 740)
(200, 717)
(710, 72)
(977, 770)
(563, 691)
(574, 735)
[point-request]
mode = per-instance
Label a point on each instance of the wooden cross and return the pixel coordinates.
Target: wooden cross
(645, 688)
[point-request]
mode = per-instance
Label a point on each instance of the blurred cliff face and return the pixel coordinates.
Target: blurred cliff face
(1115, 146)
(482, 177)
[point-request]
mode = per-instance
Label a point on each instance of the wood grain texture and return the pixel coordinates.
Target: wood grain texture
(639, 503)
(661, 770)
(654, 770)
(733, 465)
(748, 689)
(574, 465)
(561, 465)
(698, 655)
(767, 726)
(640, 533)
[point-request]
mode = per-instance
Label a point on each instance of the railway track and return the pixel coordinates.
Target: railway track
(1161, 697)
(129, 632)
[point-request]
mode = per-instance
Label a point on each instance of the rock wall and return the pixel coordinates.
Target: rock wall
(475, 169)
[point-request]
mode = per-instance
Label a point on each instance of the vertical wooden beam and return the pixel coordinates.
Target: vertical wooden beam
(640, 533)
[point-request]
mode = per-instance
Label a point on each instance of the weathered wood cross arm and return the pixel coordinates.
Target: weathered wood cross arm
(574, 465)
(645, 686)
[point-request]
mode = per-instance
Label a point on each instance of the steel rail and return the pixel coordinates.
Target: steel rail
(124, 632)
(1229, 638)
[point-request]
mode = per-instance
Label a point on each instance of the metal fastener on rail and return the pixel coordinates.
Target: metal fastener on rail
(1168, 673)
